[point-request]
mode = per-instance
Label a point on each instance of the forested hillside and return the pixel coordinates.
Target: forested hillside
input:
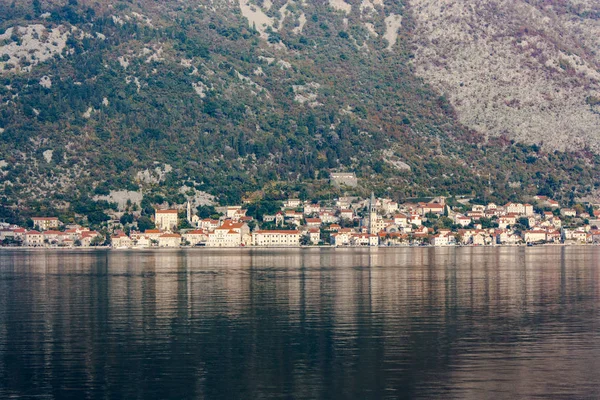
(179, 98)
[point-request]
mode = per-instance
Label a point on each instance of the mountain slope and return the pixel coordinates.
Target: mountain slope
(229, 97)
(525, 69)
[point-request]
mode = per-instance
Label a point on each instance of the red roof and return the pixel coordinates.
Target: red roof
(230, 225)
(170, 235)
(363, 235)
(166, 211)
(279, 231)
(195, 232)
(89, 234)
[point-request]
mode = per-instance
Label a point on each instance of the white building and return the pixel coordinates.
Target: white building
(389, 206)
(33, 239)
(415, 219)
(195, 237)
(169, 240)
(313, 222)
(507, 220)
(328, 217)
(441, 239)
(229, 234)
(364, 239)
(401, 219)
(533, 236)
(341, 239)
(292, 203)
(143, 242)
(166, 219)
(45, 223)
(120, 240)
(314, 235)
(310, 209)
(568, 212)
(224, 237)
(347, 214)
(514, 208)
(462, 220)
(208, 224)
(279, 238)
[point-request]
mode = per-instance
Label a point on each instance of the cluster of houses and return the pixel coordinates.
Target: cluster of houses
(369, 222)
(348, 221)
(49, 232)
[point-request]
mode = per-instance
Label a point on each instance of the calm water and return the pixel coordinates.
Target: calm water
(468, 323)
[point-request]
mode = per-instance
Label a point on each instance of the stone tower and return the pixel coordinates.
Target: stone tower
(372, 214)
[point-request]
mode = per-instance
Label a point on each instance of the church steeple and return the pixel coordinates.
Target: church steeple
(372, 214)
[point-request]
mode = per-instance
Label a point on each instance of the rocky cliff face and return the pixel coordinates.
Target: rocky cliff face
(524, 69)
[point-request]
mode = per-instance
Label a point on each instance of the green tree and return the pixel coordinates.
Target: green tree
(206, 211)
(126, 219)
(304, 240)
(97, 241)
(145, 223)
(97, 217)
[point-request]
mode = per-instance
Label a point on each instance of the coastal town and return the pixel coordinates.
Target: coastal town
(342, 222)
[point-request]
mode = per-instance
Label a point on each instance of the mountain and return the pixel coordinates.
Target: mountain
(526, 69)
(170, 100)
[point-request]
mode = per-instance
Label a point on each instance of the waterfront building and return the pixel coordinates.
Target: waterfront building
(441, 239)
(169, 240)
(532, 236)
(315, 236)
(33, 239)
(229, 234)
(120, 240)
(364, 239)
(276, 238)
(195, 237)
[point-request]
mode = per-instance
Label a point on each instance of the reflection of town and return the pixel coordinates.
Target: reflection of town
(395, 307)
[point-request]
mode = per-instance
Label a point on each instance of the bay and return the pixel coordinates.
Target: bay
(408, 323)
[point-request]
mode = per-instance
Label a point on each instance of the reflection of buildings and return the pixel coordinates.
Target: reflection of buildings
(301, 312)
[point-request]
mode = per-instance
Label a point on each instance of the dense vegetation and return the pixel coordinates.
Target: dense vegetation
(105, 121)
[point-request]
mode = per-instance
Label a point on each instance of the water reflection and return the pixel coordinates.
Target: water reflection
(389, 323)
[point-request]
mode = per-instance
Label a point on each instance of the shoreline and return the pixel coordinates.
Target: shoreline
(204, 248)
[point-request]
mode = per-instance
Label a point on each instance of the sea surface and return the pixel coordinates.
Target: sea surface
(404, 323)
